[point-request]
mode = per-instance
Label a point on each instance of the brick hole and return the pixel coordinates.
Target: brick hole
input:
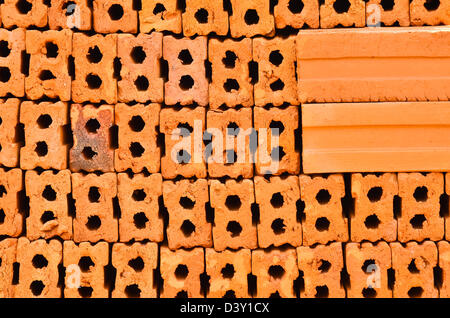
(183, 156)
(231, 84)
(94, 55)
(5, 74)
(444, 205)
(2, 216)
(39, 261)
(234, 228)
(368, 263)
(2, 190)
(94, 194)
(388, 5)
(201, 16)
(93, 223)
(37, 287)
(139, 195)
(277, 200)
(278, 226)
(187, 203)
(92, 125)
(4, 49)
(52, 50)
(323, 196)
(182, 294)
(421, 194)
(322, 224)
(16, 273)
(71, 67)
(432, 5)
(187, 228)
(23, 6)
(44, 121)
(375, 194)
(88, 153)
(136, 149)
(47, 216)
(417, 221)
(141, 83)
(372, 221)
(229, 294)
(341, 6)
(276, 58)
(85, 291)
(140, 220)
(277, 154)
(324, 266)
(253, 72)
(93, 81)
(46, 75)
(278, 85)
(115, 12)
(412, 267)
(233, 202)
(49, 194)
(137, 264)
(228, 271)
(296, 6)
(438, 277)
(133, 291)
(276, 271)
(415, 292)
(1, 121)
(25, 67)
(251, 17)
(233, 129)
(275, 295)
(138, 55)
(276, 127)
(185, 129)
(181, 272)
(85, 263)
(136, 123)
(186, 82)
(231, 156)
(369, 293)
(322, 291)
(185, 57)
(159, 8)
(69, 8)
(230, 59)
(117, 66)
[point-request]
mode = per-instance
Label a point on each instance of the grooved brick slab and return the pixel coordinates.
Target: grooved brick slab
(114, 15)
(9, 118)
(21, 16)
(203, 17)
(12, 79)
(424, 12)
(297, 14)
(8, 258)
(11, 219)
(444, 264)
(69, 14)
(160, 15)
(377, 15)
(250, 18)
(333, 13)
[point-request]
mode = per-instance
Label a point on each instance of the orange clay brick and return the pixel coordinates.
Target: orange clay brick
(413, 265)
(114, 15)
(275, 271)
(420, 208)
(276, 71)
(160, 15)
(387, 13)
(187, 82)
(230, 131)
(138, 198)
(94, 68)
(70, 14)
(279, 222)
(8, 258)
(9, 118)
(373, 218)
(12, 80)
(183, 130)
(444, 264)
(135, 265)
(85, 274)
(49, 213)
(297, 14)
(233, 224)
(429, 12)
(138, 144)
(91, 150)
(95, 218)
(140, 73)
(321, 266)
(185, 201)
(278, 150)
(38, 274)
(23, 14)
(345, 13)
(181, 270)
(324, 220)
(10, 217)
(367, 265)
(228, 272)
(204, 17)
(49, 59)
(250, 18)
(230, 77)
(44, 135)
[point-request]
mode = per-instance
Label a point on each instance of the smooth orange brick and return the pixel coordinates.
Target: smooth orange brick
(114, 15)
(297, 14)
(345, 13)
(70, 14)
(160, 15)
(24, 14)
(8, 249)
(9, 119)
(204, 17)
(12, 80)
(387, 13)
(10, 217)
(250, 18)
(430, 12)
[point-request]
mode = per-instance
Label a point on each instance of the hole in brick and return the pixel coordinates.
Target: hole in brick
(69, 8)
(88, 153)
(375, 194)
(85, 291)
(278, 85)
(47, 216)
(183, 156)
(49, 194)
(341, 6)
(275, 295)
(46, 75)
(251, 17)
(136, 123)
(253, 72)
(322, 291)
(5, 74)
(296, 6)
(141, 83)
(185, 129)
(278, 226)
(233, 202)
(276, 127)
(94, 55)
(185, 57)
(94, 194)
(412, 267)
(324, 266)
(421, 194)
(159, 8)
(233, 129)
(230, 59)
(432, 5)
(388, 5)
(277, 200)
(2, 191)
(229, 294)
(85, 264)
(231, 84)
(4, 49)
(438, 277)
(133, 291)
(369, 293)
(187, 203)
(93, 223)
(117, 67)
(372, 221)
(322, 224)
(2, 216)
(23, 6)
(367, 263)
(136, 149)
(186, 82)
(37, 287)
(181, 272)
(234, 228)
(140, 220)
(277, 154)
(228, 271)
(417, 221)
(275, 57)
(52, 50)
(93, 81)
(231, 156)
(415, 292)
(115, 12)
(139, 195)
(276, 271)
(323, 196)
(44, 121)
(137, 264)
(39, 261)
(187, 228)
(138, 55)
(201, 16)
(92, 125)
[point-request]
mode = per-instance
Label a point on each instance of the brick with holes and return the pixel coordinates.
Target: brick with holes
(204, 17)
(275, 271)
(10, 202)
(114, 15)
(140, 217)
(70, 14)
(429, 12)
(8, 257)
(95, 66)
(230, 75)
(228, 271)
(9, 144)
(24, 13)
(324, 219)
(49, 211)
(296, 14)
(12, 46)
(181, 270)
(387, 13)
(140, 73)
(160, 15)
(183, 130)
(321, 266)
(444, 265)
(345, 13)
(91, 150)
(373, 217)
(279, 222)
(49, 64)
(135, 265)
(187, 83)
(38, 273)
(95, 219)
(250, 18)
(413, 264)
(138, 137)
(85, 269)
(445, 209)
(233, 219)
(420, 208)
(45, 144)
(282, 153)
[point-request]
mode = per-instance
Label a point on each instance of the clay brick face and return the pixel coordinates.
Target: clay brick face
(44, 135)
(420, 218)
(93, 197)
(140, 73)
(367, 265)
(187, 81)
(321, 266)
(160, 15)
(340, 12)
(138, 144)
(413, 265)
(425, 12)
(183, 130)
(9, 117)
(181, 272)
(24, 14)
(135, 265)
(69, 14)
(49, 58)
(8, 257)
(10, 218)
(228, 272)
(278, 151)
(12, 80)
(373, 218)
(114, 15)
(233, 224)
(49, 213)
(279, 223)
(251, 18)
(85, 273)
(38, 274)
(387, 13)
(138, 199)
(297, 14)
(324, 220)
(91, 150)
(185, 201)
(203, 17)
(230, 81)
(94, 68)
(444, 264)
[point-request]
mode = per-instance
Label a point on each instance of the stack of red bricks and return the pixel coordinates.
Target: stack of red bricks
(107, 104)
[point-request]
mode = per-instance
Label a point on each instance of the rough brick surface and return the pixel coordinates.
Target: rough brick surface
(15, 13)
(10, 217)
(337, 12)
(69, 14)
(114, 15)
(379, 13)
(447, 219)
(444, 264)
(279, 222)
(9, 118)
(12, 80)
(233, 223)
(203, 17)
(424, 12)
(297, 14)
(160, 15)
(251, 18)
(8, 256)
